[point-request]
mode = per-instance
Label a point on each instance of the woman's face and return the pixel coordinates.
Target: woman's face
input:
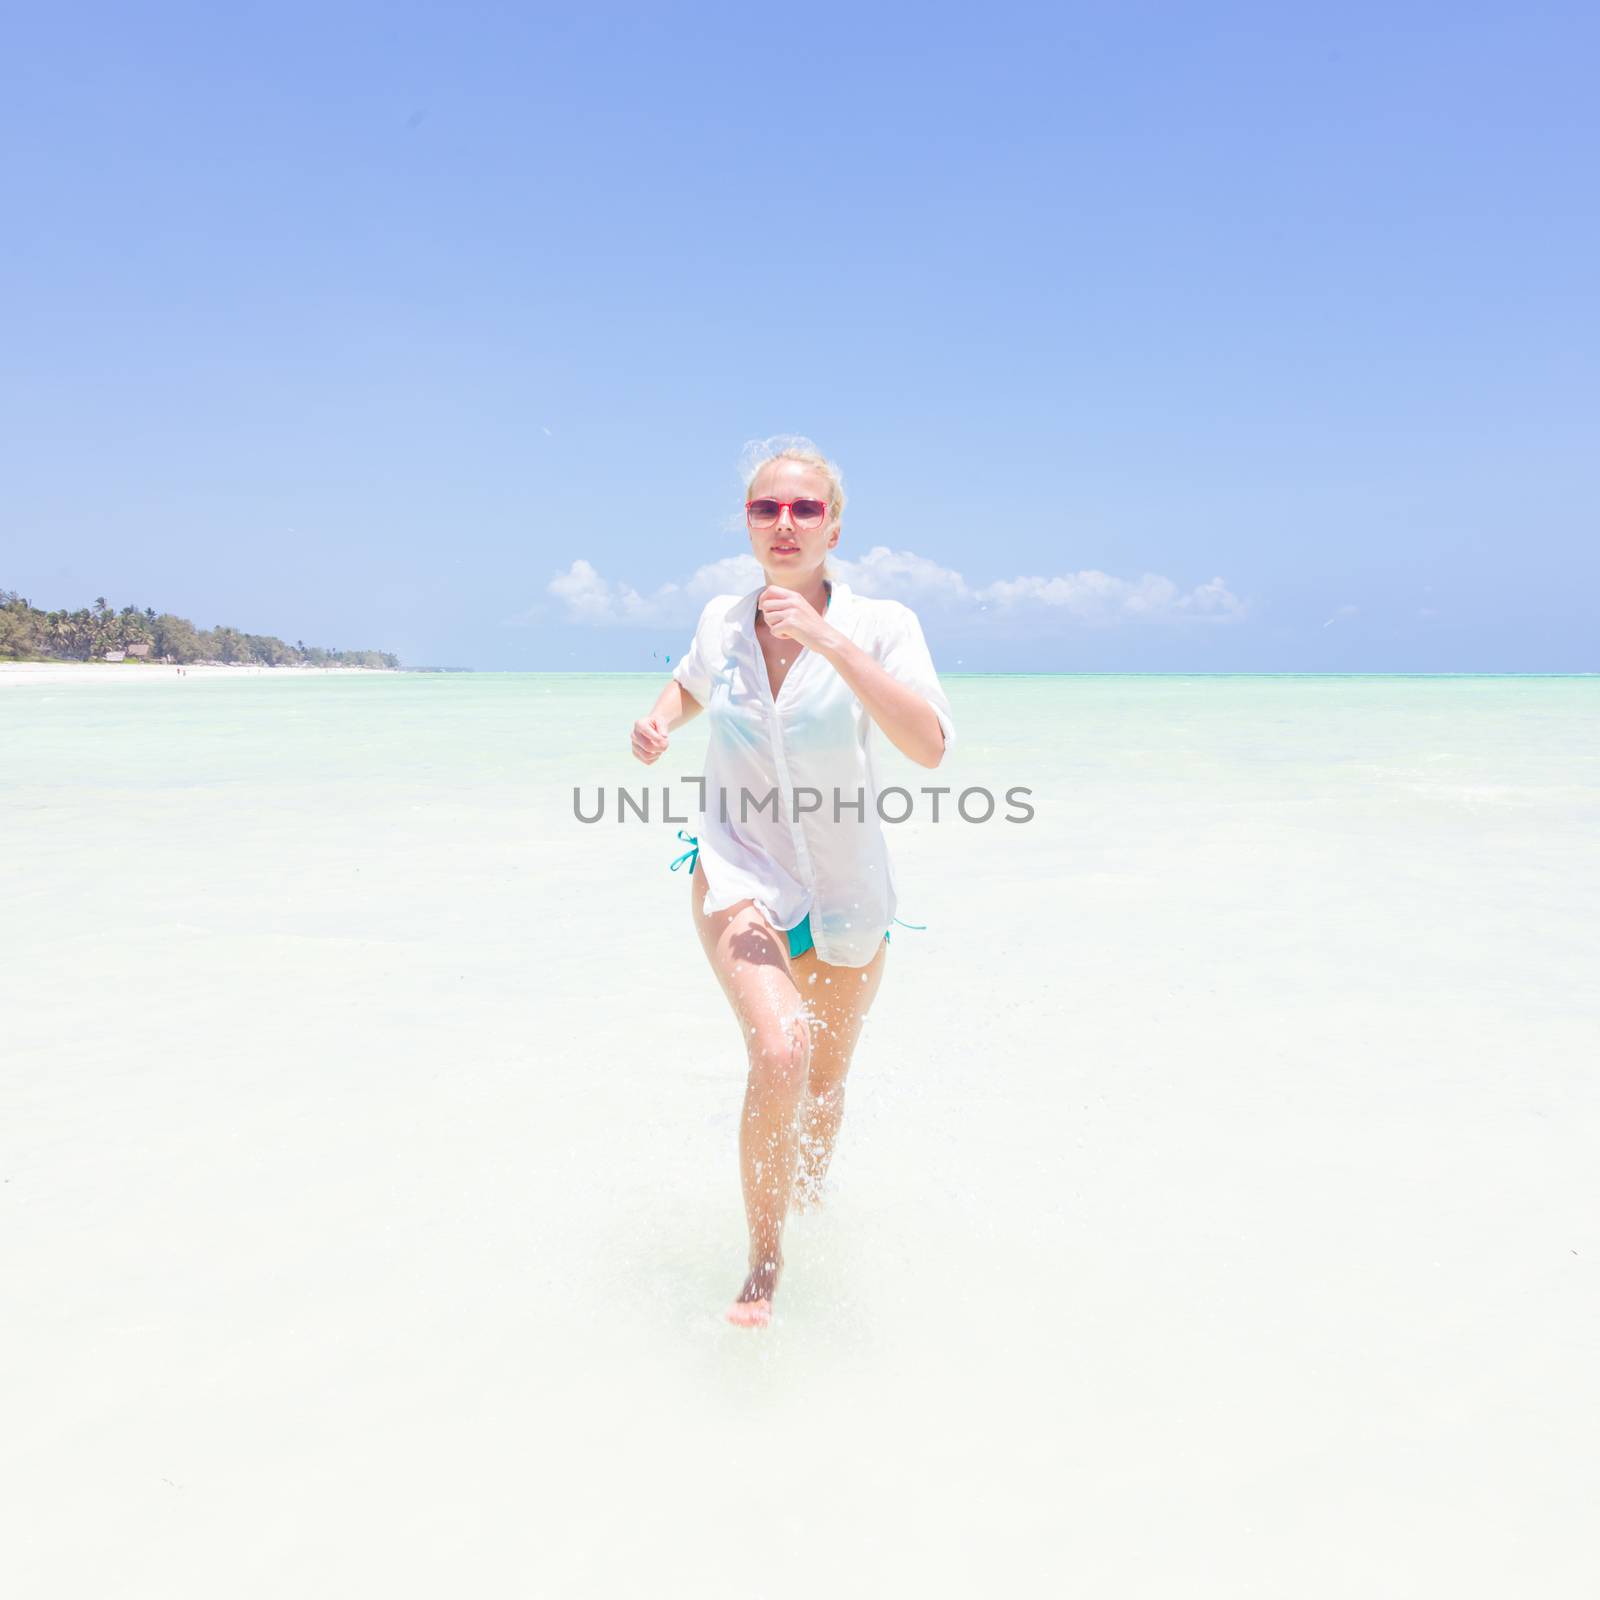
(789, 555)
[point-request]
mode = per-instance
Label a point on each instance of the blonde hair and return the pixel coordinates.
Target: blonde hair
(795, 447)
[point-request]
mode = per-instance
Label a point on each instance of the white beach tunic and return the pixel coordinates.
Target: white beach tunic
(811, 744)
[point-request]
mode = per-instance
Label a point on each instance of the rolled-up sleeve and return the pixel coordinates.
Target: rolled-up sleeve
(693, 671)
(904, 656)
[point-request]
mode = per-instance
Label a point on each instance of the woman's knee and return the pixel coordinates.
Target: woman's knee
(780, 1052)
(825, 1079)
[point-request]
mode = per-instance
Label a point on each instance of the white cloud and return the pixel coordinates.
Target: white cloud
(1099, 599)
(887, 574)
(1089, 598)
(584, 596)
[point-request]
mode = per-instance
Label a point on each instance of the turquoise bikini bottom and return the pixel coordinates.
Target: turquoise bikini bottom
(800, 934)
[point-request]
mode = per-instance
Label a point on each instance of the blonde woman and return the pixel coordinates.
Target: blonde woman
(793, 893)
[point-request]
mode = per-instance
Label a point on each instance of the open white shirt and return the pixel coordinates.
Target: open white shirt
(800, 843)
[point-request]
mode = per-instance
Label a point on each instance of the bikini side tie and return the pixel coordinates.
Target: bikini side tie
(692, 856)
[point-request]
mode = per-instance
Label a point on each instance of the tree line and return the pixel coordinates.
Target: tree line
(28, 634)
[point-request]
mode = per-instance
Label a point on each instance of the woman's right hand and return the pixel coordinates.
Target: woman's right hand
(649, 739)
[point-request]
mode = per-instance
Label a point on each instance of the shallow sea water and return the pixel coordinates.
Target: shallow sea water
(1216, 1211)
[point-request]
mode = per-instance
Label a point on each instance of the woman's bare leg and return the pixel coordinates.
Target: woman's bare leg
(751, 961)
(840, 998)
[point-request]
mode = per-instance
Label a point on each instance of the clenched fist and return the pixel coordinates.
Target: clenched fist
(649, 739)
(791, 616)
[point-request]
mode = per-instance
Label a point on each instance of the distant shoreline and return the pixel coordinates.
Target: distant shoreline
(14, 673)
(20, 672)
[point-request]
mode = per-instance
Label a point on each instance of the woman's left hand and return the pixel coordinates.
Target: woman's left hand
(791, 616)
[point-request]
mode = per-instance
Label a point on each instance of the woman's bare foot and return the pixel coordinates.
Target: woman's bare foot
(753, 1308)
(812, 1154)
(819, 1119)
(808, 1192)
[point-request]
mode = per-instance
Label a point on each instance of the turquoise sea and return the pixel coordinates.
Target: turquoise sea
(1219, 1170)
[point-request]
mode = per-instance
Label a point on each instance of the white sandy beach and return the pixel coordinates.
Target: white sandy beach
(15, 673)
(1216, 1212)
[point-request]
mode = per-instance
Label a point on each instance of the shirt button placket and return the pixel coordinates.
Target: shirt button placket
(786, 798)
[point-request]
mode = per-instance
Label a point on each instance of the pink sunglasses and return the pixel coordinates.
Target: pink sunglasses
(765, 513)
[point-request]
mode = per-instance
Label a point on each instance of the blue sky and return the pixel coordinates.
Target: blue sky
(1224, 338)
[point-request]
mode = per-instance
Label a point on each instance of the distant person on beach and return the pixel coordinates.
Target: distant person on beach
(793, 900)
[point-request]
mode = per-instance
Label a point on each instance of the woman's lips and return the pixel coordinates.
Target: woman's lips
(786, 549)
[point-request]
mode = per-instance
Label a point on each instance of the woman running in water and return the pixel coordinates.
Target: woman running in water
(793, 893)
